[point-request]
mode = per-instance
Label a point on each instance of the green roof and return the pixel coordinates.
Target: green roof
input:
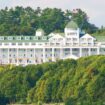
(60, 33)
(72, 25)
(23, 39)
(100, 38)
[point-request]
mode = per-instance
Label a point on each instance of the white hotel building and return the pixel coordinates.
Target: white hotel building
(24, 50)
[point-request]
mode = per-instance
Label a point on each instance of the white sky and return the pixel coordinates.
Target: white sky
(95, 9)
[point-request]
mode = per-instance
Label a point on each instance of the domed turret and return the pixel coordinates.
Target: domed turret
(72, 25)
(72, 30)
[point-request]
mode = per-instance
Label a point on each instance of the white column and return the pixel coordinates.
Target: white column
(61, 53)
(17, 57)
(80, 52)
(0, 56)
(87, 41)
(92, 42)
(98, 51)
(72, 41)
(71, 52)
(34, 57)
(8, 55)
(89, 51)
(53, 54)
(26, 57)
(44, 59)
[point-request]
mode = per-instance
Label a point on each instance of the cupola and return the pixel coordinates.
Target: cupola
(39, 32)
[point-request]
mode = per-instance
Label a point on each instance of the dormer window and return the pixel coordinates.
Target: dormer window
(35, 38)
(10, 38)
(18, 38)
(2, 38)
(44, 38)
(27, 38)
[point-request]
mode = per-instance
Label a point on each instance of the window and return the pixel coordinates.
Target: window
(60, 39)
(71, 34)
(68, 39)
(67, 49)
(57, 43)
(40, 44)
(14, 50)
(19, 43)
(54, 39)
(52, 44)
(75, 49)
(74, 39)
(6, 43)
(89, 38)
(33, 44)
(26, 44)
(13, 44)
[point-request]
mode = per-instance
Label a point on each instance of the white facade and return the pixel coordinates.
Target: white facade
(24, 50)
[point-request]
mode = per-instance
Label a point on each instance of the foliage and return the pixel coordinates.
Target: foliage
(81, 18)
(70, 101)
(80, 82)
(100, 32)
(25, 21)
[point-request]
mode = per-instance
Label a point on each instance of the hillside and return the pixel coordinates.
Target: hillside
(69, 81)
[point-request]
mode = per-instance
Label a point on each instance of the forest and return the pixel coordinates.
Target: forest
(25, 21)
(73, 82)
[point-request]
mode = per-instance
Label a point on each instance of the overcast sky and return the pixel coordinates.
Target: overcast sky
(94, 8)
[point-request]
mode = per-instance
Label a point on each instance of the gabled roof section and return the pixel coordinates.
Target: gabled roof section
(61, 34)
(88, 36)
(57, 36)
(72, 25)
(54, 34)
